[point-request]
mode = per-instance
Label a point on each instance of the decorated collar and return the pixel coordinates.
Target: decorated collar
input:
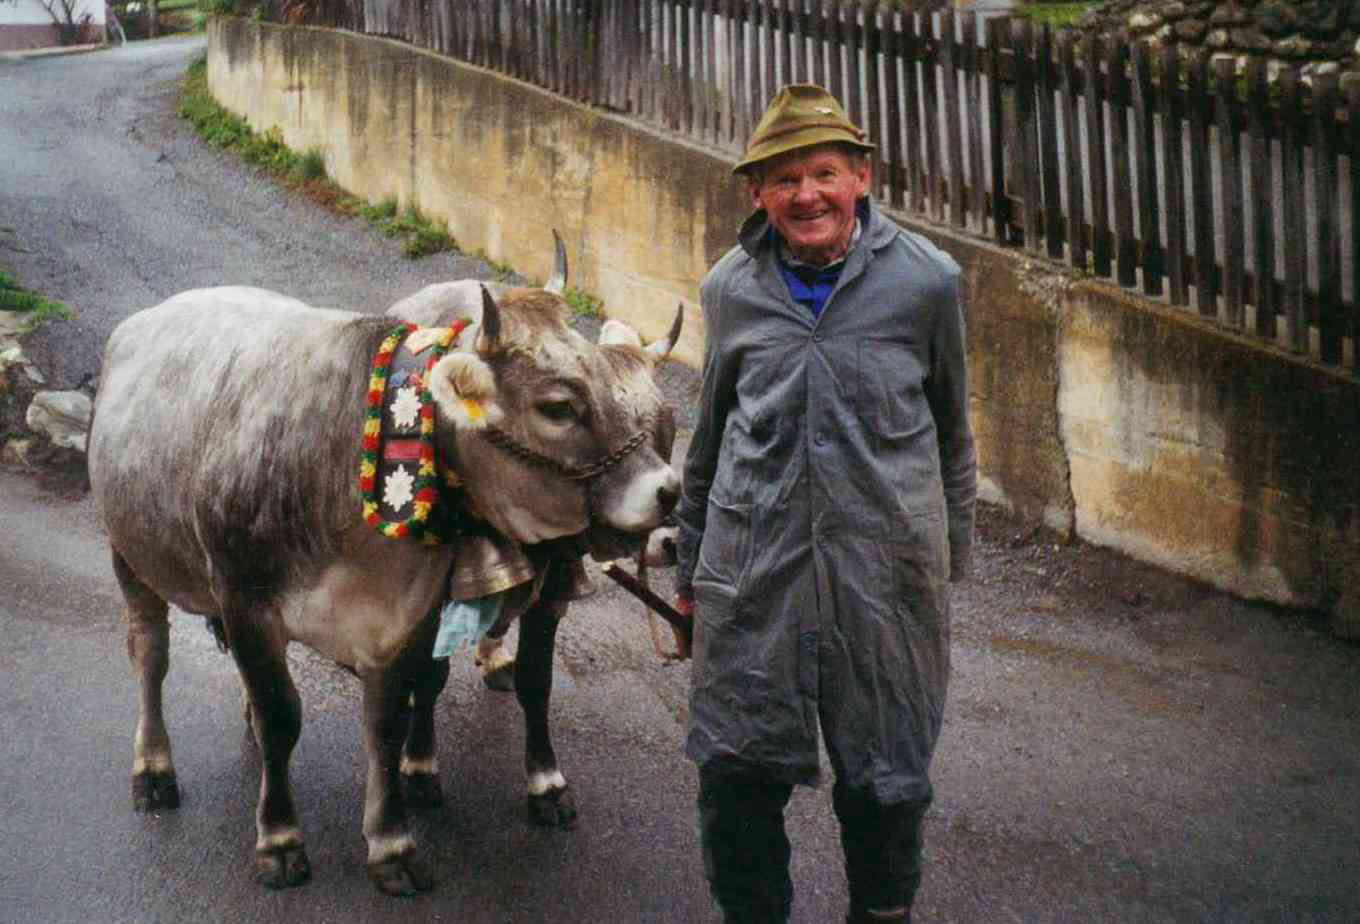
(403, 492)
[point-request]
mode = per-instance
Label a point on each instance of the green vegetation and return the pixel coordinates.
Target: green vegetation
(1056, 15)
(14, 297)
(583, 304)
(305, 172)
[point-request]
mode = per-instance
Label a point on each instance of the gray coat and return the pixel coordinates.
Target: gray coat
(828, 495)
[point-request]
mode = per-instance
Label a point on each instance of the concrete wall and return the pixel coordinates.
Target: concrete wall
(1106, 416)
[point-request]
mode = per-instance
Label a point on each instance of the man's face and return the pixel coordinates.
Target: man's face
(810, 196)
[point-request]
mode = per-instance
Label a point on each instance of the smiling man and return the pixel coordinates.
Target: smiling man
(827, 502)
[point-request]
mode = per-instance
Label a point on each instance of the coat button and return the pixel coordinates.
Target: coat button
(817, 337)
(821, 439)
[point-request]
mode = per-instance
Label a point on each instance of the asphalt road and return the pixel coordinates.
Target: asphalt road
(1119, 745)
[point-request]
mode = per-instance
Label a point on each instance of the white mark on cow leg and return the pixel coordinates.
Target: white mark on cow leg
(282, 837)
(425, 766)
(383, 847)
(491, 655)
(545, 781)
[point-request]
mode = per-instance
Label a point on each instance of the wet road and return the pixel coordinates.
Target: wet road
(1119, 745)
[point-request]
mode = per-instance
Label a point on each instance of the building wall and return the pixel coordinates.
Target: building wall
(1108, 417)
(26, 24)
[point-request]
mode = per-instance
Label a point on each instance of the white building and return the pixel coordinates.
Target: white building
(27, 24)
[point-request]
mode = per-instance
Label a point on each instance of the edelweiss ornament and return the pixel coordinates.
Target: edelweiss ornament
(406, 408)
(397, 492)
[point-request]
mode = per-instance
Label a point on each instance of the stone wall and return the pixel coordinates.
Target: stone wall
(1107, 417)
(1317, 36)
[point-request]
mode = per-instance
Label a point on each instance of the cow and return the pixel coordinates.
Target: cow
(224, 458)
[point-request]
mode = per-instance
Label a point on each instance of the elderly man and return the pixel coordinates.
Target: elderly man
(828, 500)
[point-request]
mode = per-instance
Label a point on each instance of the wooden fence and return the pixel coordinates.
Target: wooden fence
(1223, 193)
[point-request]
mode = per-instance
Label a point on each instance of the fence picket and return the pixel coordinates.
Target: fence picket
(1202, 197)
(1173, 167)
(1262, 201)
(1327, 314)
(930, 100)
(951, 165)
(972, 89)
(997, 35)
(1048, 145)
(1093, 102)
(890, 149)
(1230, 190)
(1145, 134)
(1295, 256)
(1076, 205)
(1027, 142)
(1353, 124)
(910, 44)
(1121, 156)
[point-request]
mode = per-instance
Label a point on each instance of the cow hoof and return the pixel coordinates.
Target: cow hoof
(423, 790)
(152, 791)
(283, 866)
(501, 679)
(404, 874)
(555, 808)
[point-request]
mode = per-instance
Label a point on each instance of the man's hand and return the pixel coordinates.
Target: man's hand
(684, 605)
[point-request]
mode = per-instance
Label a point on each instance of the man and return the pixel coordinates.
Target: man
(828, 499)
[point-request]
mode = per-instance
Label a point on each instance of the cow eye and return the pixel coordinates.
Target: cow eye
(557, 411)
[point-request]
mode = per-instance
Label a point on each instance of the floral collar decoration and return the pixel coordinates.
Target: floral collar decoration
(398, 471)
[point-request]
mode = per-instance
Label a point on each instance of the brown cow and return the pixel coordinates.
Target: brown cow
(224, 457)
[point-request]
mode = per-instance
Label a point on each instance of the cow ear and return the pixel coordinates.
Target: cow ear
(617, 333)
(489, 337)
(660, 349)
(464, 389)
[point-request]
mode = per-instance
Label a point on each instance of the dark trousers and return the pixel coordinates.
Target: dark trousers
(746, 852)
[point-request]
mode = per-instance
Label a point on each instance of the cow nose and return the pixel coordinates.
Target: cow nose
(666, 497)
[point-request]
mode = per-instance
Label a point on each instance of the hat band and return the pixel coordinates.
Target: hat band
(804, 126)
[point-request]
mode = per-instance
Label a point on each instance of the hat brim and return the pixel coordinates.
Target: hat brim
(805, 138)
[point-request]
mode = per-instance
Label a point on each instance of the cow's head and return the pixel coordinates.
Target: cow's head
(553, 435)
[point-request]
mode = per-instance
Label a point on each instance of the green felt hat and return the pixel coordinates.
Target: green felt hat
(800, 116)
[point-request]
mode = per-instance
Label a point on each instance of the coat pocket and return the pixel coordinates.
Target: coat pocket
(725, 551)
(890, 391)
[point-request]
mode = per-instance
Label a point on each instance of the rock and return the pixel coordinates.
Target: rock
(1218, 38)
(1250, 40)
(1296, 46)
(1144, 21)
(1191, 30)
(1319, 19)
(1229, 14)
(62, 416)
(1276, 19)
(16, 451)
(1174, 10)
(14, 356)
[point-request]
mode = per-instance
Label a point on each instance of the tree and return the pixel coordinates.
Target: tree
(69, 25)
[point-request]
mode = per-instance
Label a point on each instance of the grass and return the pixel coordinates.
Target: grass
(14, 297)
(305, 172)
(583, 304)
(1056, 15)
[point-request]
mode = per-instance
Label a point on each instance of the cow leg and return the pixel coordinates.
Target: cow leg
(394, 863)
(550, 799)
(148, 646)
(419, 765)
(276, 720)
(497, 665)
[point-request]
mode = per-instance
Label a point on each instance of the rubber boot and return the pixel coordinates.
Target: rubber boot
(896, 916)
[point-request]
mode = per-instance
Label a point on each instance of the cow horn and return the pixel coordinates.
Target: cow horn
(660, 349)
(491, 324)
(557, 285)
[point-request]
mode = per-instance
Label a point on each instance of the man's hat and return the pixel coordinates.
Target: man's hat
(800, 115)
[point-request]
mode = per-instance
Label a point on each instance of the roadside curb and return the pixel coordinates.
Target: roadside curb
(52, 52)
